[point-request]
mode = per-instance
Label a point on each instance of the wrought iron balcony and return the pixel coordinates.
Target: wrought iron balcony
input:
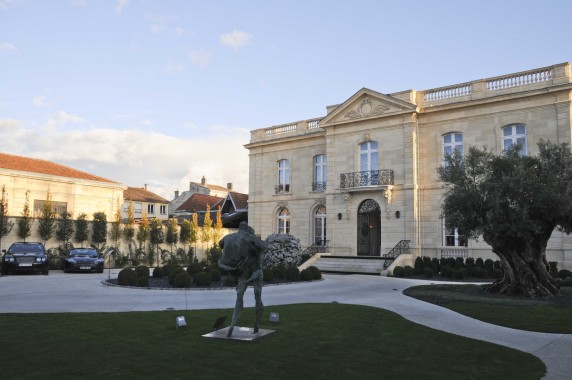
(371, 178)
(282, 189)
(319, 186)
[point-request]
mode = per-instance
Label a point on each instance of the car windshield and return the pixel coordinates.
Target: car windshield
(26, 248)
(83, 252)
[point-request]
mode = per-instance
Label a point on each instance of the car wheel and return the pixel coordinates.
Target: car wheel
(46, 272)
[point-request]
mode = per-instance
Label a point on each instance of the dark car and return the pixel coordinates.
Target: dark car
(25, 257)
(83, 260)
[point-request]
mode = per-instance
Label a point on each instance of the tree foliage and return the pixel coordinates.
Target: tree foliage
(65, 229)
(217, 230)
(117, 224)
(99, 229)
(185, 232)
(194, 233)
(25, 222)
(143, 232)
(47, 221)
(81, 233)
(172, 236)
(6, 224)
(515, 203)
(129, 229)
(156, 236)
(207, 230)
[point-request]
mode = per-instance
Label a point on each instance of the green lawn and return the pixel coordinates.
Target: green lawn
(313, 341)
(541, 315)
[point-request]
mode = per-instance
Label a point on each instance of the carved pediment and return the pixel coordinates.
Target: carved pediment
(366, 104)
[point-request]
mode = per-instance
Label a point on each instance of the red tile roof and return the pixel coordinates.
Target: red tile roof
(34, 165)
(140, 194)
(198, 202)
(240, 200)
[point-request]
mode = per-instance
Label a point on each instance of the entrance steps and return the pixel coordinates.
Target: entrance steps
(350, 264)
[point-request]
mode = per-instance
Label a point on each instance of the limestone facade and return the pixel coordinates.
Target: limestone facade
(379, 153)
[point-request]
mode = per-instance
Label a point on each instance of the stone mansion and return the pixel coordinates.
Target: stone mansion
(363, 179)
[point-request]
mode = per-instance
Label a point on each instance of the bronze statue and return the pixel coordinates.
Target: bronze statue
(242, 256)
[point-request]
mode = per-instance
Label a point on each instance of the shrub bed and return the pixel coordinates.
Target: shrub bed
(127, 277)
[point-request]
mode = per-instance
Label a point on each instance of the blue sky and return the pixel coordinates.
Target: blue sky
(164, 92)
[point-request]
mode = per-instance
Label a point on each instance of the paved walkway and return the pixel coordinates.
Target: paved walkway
(61, 292)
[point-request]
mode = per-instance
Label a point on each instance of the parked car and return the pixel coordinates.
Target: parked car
(83, 260)
(25, 257)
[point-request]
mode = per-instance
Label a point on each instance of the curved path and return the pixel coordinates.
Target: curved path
(81, 292)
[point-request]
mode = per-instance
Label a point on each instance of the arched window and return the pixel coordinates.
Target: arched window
(452, 142)
(320, 173)
(513, 134)
(283, 177)
(284, 221)
(320, 226)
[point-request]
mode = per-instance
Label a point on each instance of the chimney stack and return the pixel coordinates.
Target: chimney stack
(176, 194)
(203, 181)
(145, 186)
(229, 186)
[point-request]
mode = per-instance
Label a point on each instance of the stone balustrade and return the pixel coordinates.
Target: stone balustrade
(479, 89)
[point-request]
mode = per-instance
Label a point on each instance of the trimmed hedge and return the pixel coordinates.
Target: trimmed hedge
(202, 279)
(142, 271)
(173, 273)
(127, 277)
(194, 268)
(230, 280)
(267, 275)
(292, 274)
(306, 275)
(316, 273)
(182, 280)
(142, 282)
(398, 271)
(158, 272)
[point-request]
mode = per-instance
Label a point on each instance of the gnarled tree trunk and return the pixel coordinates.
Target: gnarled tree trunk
(526, 272)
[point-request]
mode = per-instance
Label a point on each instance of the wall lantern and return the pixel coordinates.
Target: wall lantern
(397, 214)
(339, 216)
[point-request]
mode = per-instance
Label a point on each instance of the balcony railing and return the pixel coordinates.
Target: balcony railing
(371, 178)
(319, 186)
(282, 189)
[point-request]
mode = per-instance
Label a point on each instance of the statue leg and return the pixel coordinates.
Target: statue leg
(240, 289)
(259, 304)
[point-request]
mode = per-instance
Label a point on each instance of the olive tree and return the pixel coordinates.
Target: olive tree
(514, 203)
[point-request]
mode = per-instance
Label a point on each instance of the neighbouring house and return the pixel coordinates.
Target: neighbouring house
(362, 180)
(197, 204)
(198, 188)
(234, 209)
(144, 201)
(70, 190)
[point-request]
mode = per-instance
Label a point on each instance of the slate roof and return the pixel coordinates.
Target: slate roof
(34, 165)
(198, 202)
(140, 194)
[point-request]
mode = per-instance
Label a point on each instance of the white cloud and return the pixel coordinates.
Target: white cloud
(147, 122)
(200, 58)
(178, 31)
(236, 39)
(60, 119)
(119, 5)
(135, 157)
(7, 124)
(39, 101)
(6, 47)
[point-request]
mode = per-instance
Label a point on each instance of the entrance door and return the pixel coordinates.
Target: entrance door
(369, 228)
